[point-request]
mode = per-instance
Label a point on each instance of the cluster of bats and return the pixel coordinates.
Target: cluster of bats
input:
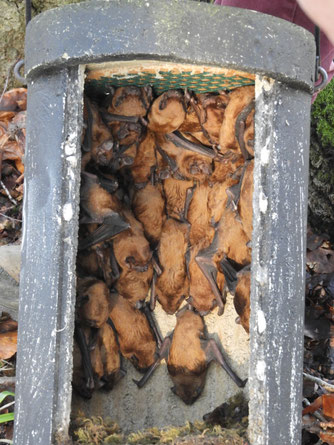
(166, 214)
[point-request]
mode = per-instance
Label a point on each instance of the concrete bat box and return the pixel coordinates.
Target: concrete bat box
(67, 50)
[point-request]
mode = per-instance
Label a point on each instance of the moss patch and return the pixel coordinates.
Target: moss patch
(96, 430)
(321, 179)
(323, 115)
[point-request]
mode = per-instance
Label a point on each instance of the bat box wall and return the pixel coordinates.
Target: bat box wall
(89, 52)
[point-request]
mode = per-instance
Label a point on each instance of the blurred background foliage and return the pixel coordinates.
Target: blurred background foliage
(321, 183)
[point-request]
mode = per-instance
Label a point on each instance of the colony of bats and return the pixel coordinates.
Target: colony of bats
(166, 215)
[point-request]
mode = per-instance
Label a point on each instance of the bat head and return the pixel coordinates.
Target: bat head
(94, 304)
(113, 378)
(138, 254)
(196, 166)
(103, 153)
(188, 387)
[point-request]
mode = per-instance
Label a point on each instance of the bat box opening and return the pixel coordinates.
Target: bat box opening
(163, 265)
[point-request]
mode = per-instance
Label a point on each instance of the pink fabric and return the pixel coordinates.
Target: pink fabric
(288, 10)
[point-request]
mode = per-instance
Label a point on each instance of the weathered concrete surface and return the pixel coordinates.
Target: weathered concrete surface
(155, 404)
(278, 262)
(155, 30)
(49, 246)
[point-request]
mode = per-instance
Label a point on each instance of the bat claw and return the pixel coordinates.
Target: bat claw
(156, 266)
(137, 382)
(243, 383)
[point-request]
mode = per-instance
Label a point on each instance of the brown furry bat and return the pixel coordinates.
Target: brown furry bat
(98, 142)
(189, 353)
(218, 198)
(232, 240)
(242, 297)
(167, 112)
(245, 207)
(144, 161)
(98, 262)
(191, 160)
(106, 360)
(133, 255)
(93, 302)
(129, 101)
(178, 196)
(136, 340)
(102, 207)
(96, 202)
(231, 136)
(209, 109)
(229, 243)
(207, 284)
(149, 208)
(83, 375)
(172, 284)
(199, 216)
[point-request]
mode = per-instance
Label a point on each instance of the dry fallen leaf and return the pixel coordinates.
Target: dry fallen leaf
(8, 345)
(314, 240)
(14, 100)
(328, 405)
(327, 437)
(321, 260)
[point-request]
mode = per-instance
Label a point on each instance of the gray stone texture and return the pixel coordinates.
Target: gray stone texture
(47, 286)
(156, 29)
(278, 263)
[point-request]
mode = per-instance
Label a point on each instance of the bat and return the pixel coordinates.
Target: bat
(148, 206)
(167, 112)
(136, 339)
(172, 283)
(189, 352)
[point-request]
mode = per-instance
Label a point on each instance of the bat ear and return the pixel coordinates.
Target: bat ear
(237, 320)
(173, 389)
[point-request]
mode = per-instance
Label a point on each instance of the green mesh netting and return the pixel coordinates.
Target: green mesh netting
(163, 81)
